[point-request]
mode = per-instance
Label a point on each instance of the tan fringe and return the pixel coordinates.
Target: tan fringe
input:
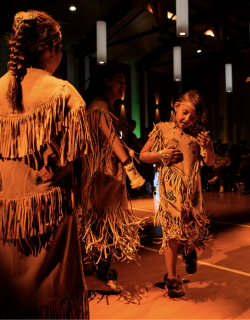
(102, 150)
(110, 231)
(36, 214)
(72, 306)
(186, 233)
(23, 134)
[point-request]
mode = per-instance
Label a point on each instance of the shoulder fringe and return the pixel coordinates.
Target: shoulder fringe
(36, 214)
(23, 134)
(72, 306)
(110, 231)
(158, 139)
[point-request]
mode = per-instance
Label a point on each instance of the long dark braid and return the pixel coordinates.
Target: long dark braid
(18, 44)
(32, 33)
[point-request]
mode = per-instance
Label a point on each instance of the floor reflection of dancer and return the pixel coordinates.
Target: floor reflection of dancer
(43, 129)
(177, 144)
(110, 229)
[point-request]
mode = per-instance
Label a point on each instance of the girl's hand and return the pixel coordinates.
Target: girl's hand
(205, 141)
(172, 155)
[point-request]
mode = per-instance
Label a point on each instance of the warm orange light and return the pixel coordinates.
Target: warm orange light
(123, 95)
(171, 16)
(157, 115)
(148, 8)
(157, 96)
(172, 101)
(209, 33)
(123, 113)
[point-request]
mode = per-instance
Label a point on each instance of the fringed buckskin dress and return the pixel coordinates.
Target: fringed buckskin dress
(181, 212)
(110, 229)
(41, 273)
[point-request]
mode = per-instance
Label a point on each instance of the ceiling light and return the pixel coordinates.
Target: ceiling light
(177, 63)
(182, 23)
(101, 39)
(229, 77)
(72, 8)
(199, 51)
(209, 33)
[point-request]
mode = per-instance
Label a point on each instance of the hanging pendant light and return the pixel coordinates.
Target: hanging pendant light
(182, 24)
(177, 63)
(229, 77)
(101, 38)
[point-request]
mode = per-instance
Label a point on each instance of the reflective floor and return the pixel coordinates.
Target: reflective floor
(219, 290)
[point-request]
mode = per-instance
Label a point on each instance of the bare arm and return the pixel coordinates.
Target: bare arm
(114, 141)
(172, 155)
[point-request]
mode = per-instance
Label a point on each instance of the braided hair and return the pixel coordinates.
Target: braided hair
(33, 32)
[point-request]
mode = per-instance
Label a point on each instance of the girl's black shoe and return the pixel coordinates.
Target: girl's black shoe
(191, 262)
(174, 286)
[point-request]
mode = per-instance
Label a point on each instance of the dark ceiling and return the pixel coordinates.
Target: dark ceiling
(139, 31)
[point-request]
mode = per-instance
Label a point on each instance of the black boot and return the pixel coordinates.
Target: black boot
(191, 263)
(104, 273)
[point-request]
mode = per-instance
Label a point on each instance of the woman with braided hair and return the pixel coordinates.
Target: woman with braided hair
(43, 129)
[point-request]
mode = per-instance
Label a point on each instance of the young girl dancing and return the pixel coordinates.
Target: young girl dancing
(110, 229)
(43, 128)
(180, 145)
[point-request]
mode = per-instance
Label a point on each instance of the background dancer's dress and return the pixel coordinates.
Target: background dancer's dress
(41, 273)
(181, 212)
(110, 229)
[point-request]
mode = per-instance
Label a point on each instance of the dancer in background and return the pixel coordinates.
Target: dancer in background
(110, 229)
(180, 145)
(43, 129)
(221, 166)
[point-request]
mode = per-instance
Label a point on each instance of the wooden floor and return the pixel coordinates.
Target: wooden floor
(219, 290)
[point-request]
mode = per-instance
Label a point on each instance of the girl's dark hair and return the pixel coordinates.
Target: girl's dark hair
(97, 86)
(32, 33)
(196, 99)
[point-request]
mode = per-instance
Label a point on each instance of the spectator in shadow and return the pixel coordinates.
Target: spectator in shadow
(221, 166)
(217, 142)
(244, 169)
(129, 137)
(235, 158)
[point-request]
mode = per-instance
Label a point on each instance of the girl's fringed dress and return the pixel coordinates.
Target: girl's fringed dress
(110, 229)
(41, 273)
(181, 212)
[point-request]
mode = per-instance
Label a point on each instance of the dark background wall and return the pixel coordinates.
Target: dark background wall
(228, 113)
